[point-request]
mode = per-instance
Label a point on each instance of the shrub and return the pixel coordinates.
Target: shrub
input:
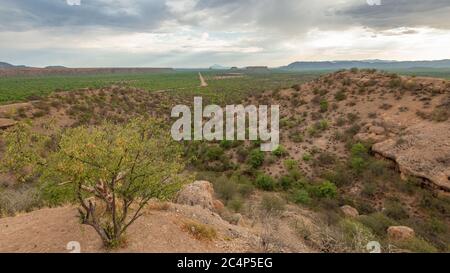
(395, 83)
(340, 176)
(440, 115)
(295, 174)
(265, 182)
(312, 131)
(307, 157)
(358, 164)
(377, 222)
(214, 153)
(352, 117)
(416, 245)
(326, 158)
(286, 182)
(302, 197)
(272, 204)
(341, 121)
(326, 190)
(20, 198)
(297, 137)
(226, 144)
(340, 96)
(280, 151)
(200, 231)
(395, 210)
(353, 130)
(290, 164)
(236, 204)
(323, 106)
(358, 161)
(225, 188)
(359, 150)
(256, 158)
(369, 189)
(322, 125)
(245, 185)
(378, 167)
(356, 235)
(242, 154)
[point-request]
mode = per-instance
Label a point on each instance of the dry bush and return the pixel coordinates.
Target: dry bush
(200, 231)
(321, 237)
(23, 198)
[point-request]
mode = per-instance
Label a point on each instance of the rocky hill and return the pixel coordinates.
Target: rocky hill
(364, 156)
(406, 119)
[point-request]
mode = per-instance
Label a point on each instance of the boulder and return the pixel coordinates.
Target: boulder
(350, 211)
(400, 233)
(199, 193)
(377, 130)
(366, 137)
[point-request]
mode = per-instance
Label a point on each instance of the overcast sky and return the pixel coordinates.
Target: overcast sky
(200, 33)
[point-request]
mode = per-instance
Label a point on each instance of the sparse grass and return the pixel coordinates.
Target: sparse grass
(200, 231)
(21, 198)
(415, 245)
(272, 204)
(340, 96)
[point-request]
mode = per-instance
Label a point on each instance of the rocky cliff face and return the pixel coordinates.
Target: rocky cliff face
(422, 151)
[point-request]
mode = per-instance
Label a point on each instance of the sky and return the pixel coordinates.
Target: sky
(200, 33)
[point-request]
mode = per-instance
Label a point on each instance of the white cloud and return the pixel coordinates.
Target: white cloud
(73, 2)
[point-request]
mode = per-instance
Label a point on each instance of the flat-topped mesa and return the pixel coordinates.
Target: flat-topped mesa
(28, 71)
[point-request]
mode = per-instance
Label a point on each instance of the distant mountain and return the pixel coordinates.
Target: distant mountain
(55, 67)
(7, 65)
(218, 67)
(377, 64)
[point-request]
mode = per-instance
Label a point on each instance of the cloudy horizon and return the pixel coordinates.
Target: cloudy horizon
(200, 33)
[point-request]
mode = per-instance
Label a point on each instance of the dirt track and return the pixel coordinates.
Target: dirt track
(203, 82)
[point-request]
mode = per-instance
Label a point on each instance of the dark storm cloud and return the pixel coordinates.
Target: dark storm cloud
(18, 15)
(229, 32)
(400, 13)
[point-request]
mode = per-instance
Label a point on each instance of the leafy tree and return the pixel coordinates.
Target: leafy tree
(112, 171)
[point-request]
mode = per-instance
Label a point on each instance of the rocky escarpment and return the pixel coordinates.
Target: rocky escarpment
(423, 151)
